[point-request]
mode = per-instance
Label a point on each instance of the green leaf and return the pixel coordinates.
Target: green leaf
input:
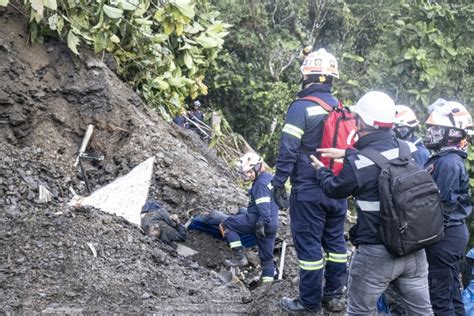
(53, 22)
(38, 6)
(206, 41)
(129, 5)
(114, 39)
(185, 7)
(50, 4)
(188, 60)
(356, 58)
(113, 13)
(72, 42)
(4, 3)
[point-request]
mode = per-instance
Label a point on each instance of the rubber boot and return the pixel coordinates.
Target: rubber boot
(239, 258)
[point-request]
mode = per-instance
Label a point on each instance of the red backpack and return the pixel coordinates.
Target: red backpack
(339, 131)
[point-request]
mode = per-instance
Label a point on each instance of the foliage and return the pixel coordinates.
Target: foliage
(162, 48)
(416, 51)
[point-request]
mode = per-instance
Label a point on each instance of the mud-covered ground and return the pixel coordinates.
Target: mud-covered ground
(54, 258)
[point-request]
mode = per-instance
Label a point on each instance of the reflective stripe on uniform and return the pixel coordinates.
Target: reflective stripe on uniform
(235, 244)
(389, 154)
(311, 265)
(337, 257)
(265, 199)
(293, 130)
(267, 279)
(315, 110)
(369, 206)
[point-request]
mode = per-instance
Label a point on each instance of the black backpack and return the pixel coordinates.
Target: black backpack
(411, 217)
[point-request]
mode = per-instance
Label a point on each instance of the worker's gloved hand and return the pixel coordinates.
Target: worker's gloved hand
(280, 197)
(260, 230)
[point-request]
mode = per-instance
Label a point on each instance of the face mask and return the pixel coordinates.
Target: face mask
(435, 137)
(402, 132)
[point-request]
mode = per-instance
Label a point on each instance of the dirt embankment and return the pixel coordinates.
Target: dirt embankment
(54, 258)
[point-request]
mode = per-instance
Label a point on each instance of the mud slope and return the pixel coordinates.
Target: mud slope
(57, 259)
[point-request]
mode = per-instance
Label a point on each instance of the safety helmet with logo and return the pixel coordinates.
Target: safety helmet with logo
(249, 162)
(448, 124)
(405, 121)
(376, 109)
(320, 62)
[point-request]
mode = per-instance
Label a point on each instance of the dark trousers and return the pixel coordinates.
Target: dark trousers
(444, 260)
(318, 224)
(245, 224)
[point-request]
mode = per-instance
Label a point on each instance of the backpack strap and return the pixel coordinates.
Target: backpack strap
(320, 101)
(379, 159)
(404, 150)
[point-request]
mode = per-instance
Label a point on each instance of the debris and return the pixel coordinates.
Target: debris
(92, 248)
(185, 251)
(44, 195)
(125, 196)
(282, 260)
(85, 142)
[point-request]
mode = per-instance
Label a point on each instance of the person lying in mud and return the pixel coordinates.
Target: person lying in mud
(156, 222)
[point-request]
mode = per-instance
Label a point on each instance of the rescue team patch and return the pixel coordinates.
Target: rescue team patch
(430, 168)
(315, 110)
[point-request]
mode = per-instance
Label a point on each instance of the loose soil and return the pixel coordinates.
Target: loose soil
(58, 259)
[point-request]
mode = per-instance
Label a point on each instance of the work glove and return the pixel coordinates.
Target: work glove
(280, 197)
(260, 230)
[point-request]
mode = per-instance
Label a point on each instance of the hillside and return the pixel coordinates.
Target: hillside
(48, 96)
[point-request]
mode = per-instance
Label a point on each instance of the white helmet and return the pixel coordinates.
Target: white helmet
(449, 114)
(376, 109)
(448, 124)
(404, 116)
(249, 161)
(320, 62)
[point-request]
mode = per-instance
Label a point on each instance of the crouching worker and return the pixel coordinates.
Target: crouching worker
(158, 223)
(260, 219)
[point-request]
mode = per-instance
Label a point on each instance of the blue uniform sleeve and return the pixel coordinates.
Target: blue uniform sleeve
(448, 175)
(341, 186)
(262, 197)
(290, 143)
(421, 155)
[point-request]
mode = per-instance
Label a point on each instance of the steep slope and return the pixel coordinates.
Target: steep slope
(58, 259)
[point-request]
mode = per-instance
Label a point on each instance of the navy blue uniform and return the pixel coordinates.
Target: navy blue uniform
(316, 220)
(449, 173)
(359, 177)
(422, 154)
(261, 208)
(181, 121)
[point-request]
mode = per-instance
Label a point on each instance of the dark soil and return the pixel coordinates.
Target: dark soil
(54, 258)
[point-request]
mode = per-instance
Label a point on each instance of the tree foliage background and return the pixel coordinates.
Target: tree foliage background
(174, 50)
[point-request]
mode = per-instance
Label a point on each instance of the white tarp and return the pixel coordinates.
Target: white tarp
(124, 196)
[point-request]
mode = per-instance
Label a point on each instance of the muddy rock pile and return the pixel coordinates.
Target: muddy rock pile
(55, 258)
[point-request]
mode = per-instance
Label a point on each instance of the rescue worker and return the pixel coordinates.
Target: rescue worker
(260, 218)
(406, 124)
(181, 119)
(448, 126)
(156, 222)
(196, 114)
(316, 221)
(373, 268)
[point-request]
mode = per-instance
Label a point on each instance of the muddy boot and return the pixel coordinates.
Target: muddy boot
(334, 304)
(294, 305)
(238, 259)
